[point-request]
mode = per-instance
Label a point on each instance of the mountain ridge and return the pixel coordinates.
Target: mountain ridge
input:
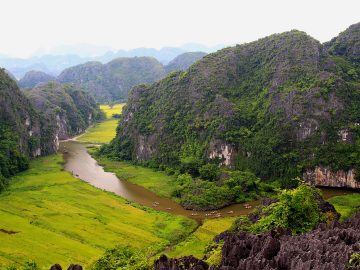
(268, 106)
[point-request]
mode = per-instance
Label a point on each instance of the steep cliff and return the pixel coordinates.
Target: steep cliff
(21, 127)
(113, 81)
(276, 106)
(34, 78)
(67, 110)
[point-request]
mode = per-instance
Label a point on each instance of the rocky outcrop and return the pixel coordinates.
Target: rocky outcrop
(189, 262)
(222, 151)
(328, 247)
(71, 267)
(325, 177)
(23, 130)
(68, 110)
(271, 105)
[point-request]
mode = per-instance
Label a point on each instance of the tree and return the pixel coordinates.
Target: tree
(209, 172)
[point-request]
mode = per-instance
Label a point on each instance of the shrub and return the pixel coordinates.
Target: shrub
(354, 260)
(209, 172)
(297, 210)
(121, 257)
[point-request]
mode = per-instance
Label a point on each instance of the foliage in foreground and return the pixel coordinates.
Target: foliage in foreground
(354, 260)
(296, 210)
(122, 257)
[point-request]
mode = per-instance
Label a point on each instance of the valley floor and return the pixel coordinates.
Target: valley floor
(49, 217)
(105, 131)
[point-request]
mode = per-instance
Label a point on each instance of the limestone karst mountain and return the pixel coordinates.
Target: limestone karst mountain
(277, 106)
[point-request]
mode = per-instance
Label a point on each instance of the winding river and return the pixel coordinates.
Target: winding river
(80, 163)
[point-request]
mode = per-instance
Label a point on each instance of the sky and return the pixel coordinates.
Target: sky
(28, 26)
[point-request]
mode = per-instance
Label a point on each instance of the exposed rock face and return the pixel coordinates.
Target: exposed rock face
(190, 262)
(17, 112)
(325, 177)
(328, 247)
(23, 131)
(223, 151)
(68, 110)
(269, 105)
(35, 78)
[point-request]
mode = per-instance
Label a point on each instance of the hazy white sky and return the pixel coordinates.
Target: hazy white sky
(29, 25)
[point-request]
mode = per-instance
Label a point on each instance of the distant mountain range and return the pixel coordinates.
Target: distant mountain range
(112, 81)
(56, 60)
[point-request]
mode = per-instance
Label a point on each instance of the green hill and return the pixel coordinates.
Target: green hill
(67, 110)
(112, 81)
(276, 107)
(20, 130)
(34, 78)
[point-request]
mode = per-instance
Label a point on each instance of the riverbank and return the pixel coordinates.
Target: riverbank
(82, 165)
(49, 216)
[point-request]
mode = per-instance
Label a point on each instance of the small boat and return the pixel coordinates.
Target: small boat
(230, 212)
(247, 206)
(194, 214)
(168, 208)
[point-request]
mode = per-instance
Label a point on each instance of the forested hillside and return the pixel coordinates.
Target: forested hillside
(21, 136)
(278, 107)
(67, 110)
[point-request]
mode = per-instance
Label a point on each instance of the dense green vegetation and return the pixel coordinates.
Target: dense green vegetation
(278, 105)
(12, 160)
(191, 192)
(297, 210)
(346, 205)
(17, 120)
(354, 261)
(33, 219)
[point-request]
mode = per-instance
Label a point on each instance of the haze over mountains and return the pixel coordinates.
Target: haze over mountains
(112, 81)
(54, 61)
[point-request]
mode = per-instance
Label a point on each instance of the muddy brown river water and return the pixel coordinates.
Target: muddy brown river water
(80, 163)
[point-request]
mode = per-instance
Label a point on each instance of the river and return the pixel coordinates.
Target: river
(80, 163)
